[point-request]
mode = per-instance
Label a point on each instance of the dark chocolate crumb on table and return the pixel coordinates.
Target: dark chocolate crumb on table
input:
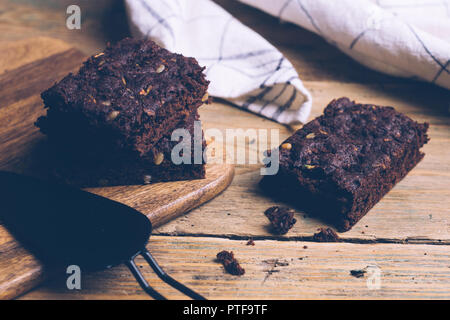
(326, 235)
(281, 219)
(230, 264)
(358, 273)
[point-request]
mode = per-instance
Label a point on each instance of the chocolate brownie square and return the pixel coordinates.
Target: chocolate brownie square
(342, 163)
(128, 168)
(125, 98)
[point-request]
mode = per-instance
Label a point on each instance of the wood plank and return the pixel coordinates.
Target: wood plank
(20, 271)
(23, 149)
(275, 270)
(102, 21)
(18, 53)
(161, 202)
(417, 208)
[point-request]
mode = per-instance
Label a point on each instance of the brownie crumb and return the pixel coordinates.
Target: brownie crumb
(326, 235)
(250, 242)
(357, 273)
(230, 264)
(281, 218)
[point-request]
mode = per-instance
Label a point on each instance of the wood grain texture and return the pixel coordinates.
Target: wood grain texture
(275, 270)
(23, 150)
(19, 53)
(19, 270)
(161, 202)
(418, 208)
(415, 211)
(102, 21)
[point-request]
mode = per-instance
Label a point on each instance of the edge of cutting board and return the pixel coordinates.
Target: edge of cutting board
(24, 67)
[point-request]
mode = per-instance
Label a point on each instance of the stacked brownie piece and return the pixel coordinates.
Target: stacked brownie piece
(112, 122)
(342, 163)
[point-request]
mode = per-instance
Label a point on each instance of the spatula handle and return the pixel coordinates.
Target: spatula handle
(162, 275)
(142, 282)
(168, 279)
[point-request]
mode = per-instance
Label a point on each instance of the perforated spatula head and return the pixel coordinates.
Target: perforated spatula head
(64, 226)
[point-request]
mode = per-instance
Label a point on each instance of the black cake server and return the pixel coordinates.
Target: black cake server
(64, 226)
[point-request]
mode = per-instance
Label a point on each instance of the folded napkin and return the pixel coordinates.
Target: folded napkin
(242, 66)
(408, 38)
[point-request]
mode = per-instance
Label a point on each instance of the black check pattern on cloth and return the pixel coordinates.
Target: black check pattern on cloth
(243, 67)
(385, 35)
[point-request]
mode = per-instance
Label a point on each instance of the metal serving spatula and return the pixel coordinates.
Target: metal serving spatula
(64, 226)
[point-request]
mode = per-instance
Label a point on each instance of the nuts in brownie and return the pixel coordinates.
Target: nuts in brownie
(113, 115)
(160, 69)
(114, 118)
(159, 158)
(286, 146)
(135, 77)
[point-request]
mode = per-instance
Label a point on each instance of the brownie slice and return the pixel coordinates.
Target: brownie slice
(128, 168)
(342, 163)
(127, 97)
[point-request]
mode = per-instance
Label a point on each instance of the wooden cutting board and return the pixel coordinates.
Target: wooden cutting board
(26, 69)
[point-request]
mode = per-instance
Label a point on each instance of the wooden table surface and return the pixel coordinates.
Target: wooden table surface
(406, 237)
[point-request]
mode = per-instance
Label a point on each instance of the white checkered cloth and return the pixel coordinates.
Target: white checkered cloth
(407, 38)
(242, 66)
